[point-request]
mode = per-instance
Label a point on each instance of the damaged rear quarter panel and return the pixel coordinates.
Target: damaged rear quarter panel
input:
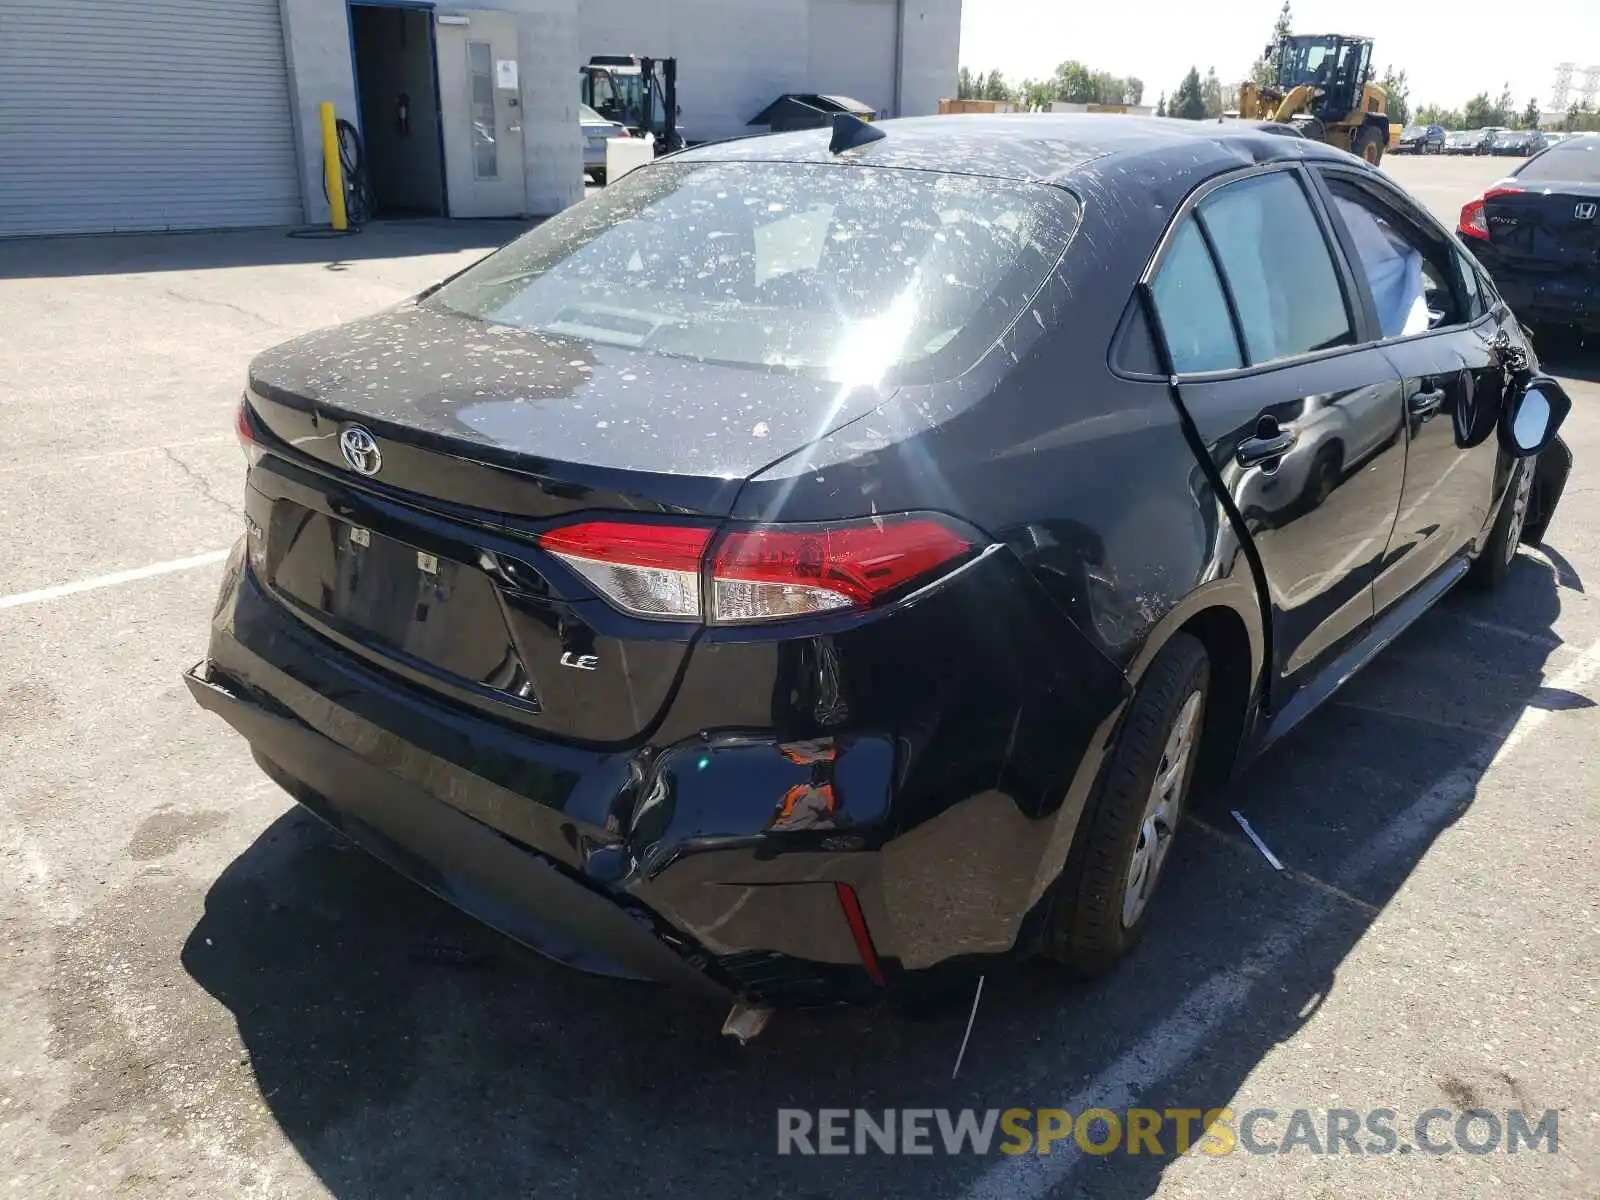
(1086, 476)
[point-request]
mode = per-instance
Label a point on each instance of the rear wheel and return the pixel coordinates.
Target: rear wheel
(1369, 144)
(1128, 842)
(1493, 564)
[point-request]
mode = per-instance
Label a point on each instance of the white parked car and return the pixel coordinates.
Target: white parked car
(597, 131)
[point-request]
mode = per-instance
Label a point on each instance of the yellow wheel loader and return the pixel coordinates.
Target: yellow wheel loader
(1324, 89)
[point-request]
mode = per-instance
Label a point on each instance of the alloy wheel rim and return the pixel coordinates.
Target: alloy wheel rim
(1161, 811)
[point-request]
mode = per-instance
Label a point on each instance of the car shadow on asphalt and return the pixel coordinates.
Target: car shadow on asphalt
(404, 1049)
(126, 254)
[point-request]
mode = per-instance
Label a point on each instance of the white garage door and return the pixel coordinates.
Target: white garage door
(144, 114)
(853, 51)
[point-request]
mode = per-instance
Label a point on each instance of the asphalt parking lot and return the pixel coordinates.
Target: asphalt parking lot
(207, 994)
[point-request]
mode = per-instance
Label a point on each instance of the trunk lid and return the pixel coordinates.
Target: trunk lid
(488, 435)
(529, 424)
(1547, 215)
(1552, 224)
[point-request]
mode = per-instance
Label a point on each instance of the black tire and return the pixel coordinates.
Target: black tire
(1088, 928)
(599, 177)
(1493, 564)
(1369, 144)
(1322, 478)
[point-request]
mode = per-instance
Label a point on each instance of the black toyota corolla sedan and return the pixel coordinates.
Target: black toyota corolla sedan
(822, 565)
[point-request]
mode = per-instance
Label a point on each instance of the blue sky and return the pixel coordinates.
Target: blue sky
(1451, 49)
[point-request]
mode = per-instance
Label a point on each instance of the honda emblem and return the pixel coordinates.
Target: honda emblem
(1585, 211)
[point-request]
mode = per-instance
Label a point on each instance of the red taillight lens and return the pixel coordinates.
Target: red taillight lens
(649, 570)
(764, 573)
(246, 434)
(1474, 219)
(774, 572)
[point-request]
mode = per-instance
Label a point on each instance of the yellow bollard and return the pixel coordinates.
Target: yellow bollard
(332, 168)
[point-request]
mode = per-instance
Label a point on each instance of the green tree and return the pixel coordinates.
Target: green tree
(1036, 94)
(995, 87)
(1582, 118)
(1504, 111)
(966, 86)
(1478, 113)
(1132, 90)
(1075, 83)
(1211, 93)
(1434, 114)
(1161, 105)
(1188, 102)
(1398, 89)
(1265, 69)
(1530, 115)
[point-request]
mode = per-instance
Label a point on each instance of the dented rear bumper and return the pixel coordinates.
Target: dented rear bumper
(728, 862)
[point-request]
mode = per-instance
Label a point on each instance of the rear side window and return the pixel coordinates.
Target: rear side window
(1411, 274)
(847, 272)
(1576, 161)
(1193, 307)
(1272, 251)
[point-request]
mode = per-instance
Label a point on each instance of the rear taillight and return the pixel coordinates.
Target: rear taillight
(1474, 221)
(773, 572)
(648, 570)
(756, 573)
(246, 434)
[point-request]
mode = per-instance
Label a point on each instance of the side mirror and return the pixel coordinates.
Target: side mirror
(1530, 422)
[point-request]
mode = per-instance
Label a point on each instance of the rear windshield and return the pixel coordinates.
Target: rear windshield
(1575, 161)
(851, 273)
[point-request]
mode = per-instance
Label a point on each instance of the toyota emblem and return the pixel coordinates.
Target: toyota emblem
(1585, 211)
(360, 450)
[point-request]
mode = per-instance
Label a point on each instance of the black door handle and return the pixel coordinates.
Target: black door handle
(1268, 443)
(1425, 404)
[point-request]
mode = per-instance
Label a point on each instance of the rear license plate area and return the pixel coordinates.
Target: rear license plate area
(396, 600)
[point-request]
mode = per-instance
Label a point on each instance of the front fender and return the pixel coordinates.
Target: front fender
(1550, 473)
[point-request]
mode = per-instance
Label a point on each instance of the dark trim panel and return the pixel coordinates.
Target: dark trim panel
(1394, 621)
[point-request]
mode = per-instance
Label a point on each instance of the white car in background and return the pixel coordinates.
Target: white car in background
(597, 131)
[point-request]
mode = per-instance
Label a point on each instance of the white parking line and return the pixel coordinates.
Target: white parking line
(1165, 1049)
(1545, 640)
(94, 584)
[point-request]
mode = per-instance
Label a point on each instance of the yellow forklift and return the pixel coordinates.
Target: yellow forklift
(1324, 89)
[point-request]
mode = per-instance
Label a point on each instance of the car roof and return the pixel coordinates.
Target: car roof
(1042, 147)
